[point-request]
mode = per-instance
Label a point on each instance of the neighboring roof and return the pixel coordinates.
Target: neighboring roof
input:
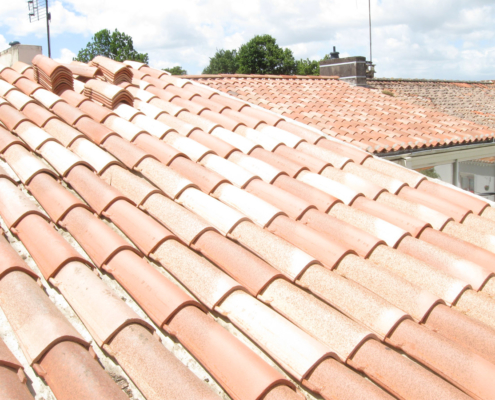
(266, 255)
(472, 101)
(366, 118)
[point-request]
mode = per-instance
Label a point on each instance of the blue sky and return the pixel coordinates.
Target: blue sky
(436, 39)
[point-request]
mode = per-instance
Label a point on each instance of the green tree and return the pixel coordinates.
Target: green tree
(223, 62)
(177, 70)
(430, 172)
(115, 45)
(307, 67)
(262, 55)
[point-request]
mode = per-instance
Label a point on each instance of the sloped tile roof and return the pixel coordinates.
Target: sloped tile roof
(368, 119)
(472, 101)
(278, 257)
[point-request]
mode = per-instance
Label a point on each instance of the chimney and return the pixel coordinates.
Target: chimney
(354, 70)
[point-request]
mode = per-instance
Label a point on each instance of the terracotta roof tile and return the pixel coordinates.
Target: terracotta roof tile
(209, 142)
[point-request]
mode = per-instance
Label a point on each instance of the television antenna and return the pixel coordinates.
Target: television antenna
(38, 9)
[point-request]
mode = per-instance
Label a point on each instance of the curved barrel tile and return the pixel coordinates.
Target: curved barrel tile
(159, 149)
(92, 189)
(95, 156)
(283, 256)
(64, 133)
(290, 346)
(39, 115)
(25, 164)
(169, 181)
(357, 239)
(324, 249)
(321, 200)
(15, 205)
(101, 311)
(401, 219)
(154, 370)
(257, 167)
(145, 232)
(360, 185)
(329, 186)
(98, 133)
(419, 273)
(34, 137)
(55, 200)
(97, 239)
(35, 320)
(353, 300)
(470, 372)
(249, 270)
(159, 297)
(279, 162)
(235, 140)
(68, 113)
(182, 222)
(242, 373)
(11, 261)
(327, 156)
(48, 249)
(256, 209)
(412, 178)
(61, 159)
(399, 292)
(390, 234)
(220, 147)
(133, 187)
(194, 150)
(73, 374)
(451, 264)
(7, 140)
(207, 180)
(292, 205)
(332, 328)
(207, 282)
(219, 215)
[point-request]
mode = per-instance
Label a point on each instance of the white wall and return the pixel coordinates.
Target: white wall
(20, 52)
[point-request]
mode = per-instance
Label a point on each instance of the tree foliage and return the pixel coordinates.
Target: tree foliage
(115, 45)
(430, 172)
(223, 62)
(308, 67)
(262, 55)
(177, 70)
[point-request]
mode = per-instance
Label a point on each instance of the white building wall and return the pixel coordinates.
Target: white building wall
(20, 52)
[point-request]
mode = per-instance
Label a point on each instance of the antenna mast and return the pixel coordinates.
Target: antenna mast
(38, 9)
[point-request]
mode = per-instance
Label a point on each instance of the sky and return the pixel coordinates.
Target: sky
(430, 39)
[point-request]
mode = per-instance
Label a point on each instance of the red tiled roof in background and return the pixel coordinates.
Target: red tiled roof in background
(366, 118)
(331, 262)
(472, 101)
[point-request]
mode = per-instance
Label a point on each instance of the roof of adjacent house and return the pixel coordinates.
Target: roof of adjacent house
(270, 260)
(469, 100)
(369, 119)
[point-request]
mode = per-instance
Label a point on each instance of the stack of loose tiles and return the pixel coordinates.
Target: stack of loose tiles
(52, 75)
(106, 94)
(114, 72)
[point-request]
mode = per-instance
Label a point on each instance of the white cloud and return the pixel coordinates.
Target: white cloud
(3, 43)
(411, 38)
(66, 56)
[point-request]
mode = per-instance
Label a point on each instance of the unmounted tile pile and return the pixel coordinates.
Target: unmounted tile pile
(83, 71)
(106, 94)
(368, 119)
(115, 72)
(273, 260)
(52, 75)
